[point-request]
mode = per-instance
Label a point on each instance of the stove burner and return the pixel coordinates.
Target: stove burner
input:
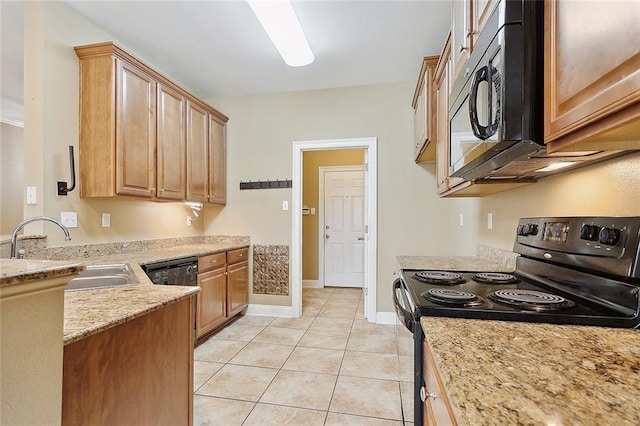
(451, 297)
(531, 300)
(439, 277)
(495, 278)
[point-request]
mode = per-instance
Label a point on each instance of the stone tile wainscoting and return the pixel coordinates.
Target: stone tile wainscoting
(271, 269)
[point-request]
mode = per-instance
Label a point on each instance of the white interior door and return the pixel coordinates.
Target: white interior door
(344, 230)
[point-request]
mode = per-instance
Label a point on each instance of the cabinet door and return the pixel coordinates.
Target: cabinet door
(481, 11)
(437, 406)
(460, 35)
(197, 152)
(420, 117)
(171, 162)
(217, 161)
(592, 66)
(211, 300)
(135, 132)
(442, 147)
(237, 287)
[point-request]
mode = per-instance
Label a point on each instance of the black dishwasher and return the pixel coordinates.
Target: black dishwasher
(182, 271)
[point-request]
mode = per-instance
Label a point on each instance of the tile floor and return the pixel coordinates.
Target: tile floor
(329, 367)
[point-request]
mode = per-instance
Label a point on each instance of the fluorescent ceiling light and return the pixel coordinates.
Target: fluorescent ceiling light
(281, 24)
(556, 166)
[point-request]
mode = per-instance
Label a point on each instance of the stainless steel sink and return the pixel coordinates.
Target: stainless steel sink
(111, 275)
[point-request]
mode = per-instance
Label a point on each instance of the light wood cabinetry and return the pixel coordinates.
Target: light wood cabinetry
(436, 406)
(139, 372)
(224, 279)
(140, 133)
(197, 152)
(171, 164)
(592, 75)
(135, 125)
(424, 118)
(217, 191)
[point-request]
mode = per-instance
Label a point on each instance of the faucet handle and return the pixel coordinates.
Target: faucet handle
(21, 253)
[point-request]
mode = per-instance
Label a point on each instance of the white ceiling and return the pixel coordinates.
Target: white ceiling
(218, 48)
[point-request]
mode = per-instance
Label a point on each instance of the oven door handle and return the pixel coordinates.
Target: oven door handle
(404, 315)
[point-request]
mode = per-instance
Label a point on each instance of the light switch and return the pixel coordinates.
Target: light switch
(461, 219)
(106, 220)
(32, 197)
(69, 219)
(313, 210)
(285, 205)
(489, 220)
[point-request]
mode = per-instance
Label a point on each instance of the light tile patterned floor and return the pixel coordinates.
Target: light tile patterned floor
(330, 367)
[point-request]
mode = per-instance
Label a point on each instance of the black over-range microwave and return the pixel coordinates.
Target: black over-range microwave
(496, 103)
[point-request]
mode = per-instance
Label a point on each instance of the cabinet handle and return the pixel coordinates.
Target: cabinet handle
(240, 255)
(424, 394)
(153, 191)
(462, 48)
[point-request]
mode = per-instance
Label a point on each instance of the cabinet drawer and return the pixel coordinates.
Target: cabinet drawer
(239, 255)
(211, 261)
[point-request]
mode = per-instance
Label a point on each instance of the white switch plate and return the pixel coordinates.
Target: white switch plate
(69, 219)
(189, 220)
(489, 220)
(461, 219)
(32, 197)
(313, 210)
(106, 220)
(285, 205)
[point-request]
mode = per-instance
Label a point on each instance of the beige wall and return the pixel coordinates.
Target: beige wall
(311, 162)
(51, 125)
(261, 130)
(11, 166)
(605, 189)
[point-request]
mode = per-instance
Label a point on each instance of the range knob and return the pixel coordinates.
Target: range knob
(520, 230)
(589, 232)
(609, 236)
(530, 229)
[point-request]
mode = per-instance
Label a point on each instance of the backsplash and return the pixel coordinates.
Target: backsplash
(36, 248)
(271, 269)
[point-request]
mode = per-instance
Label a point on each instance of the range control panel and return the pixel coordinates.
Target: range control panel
(584, 242)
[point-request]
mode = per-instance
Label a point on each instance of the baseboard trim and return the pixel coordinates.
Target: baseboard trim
(311, 283)
(270, 311)
(389, 318)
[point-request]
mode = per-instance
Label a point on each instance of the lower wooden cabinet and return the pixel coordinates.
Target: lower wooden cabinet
(137, 373)
(224, 280)
(436, 407)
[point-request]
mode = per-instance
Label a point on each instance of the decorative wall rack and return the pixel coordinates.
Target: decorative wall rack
(266, 184)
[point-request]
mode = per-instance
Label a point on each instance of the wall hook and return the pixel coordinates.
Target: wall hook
(62, 186)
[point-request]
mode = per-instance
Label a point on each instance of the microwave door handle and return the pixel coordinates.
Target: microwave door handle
(494, 81)
(479, 131)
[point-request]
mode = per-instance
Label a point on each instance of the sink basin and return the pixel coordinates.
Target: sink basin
(103, 276)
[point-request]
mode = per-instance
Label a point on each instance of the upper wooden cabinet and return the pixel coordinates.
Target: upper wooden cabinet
(592, 75)
(140, 133)
(217, 192)
(424, 118)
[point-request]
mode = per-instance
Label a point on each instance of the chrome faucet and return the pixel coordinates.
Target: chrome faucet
(14, 236)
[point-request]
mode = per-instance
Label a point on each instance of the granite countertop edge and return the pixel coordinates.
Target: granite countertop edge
(503, 372)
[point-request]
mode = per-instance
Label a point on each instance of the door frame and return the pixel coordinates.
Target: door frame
(321, 172)
(371, 239)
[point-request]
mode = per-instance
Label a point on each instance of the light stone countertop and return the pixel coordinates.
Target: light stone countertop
(90, 311)
(498, 373)
(18, 271)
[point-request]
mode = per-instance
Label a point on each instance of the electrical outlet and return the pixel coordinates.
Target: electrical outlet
(189, 220)
(32, 197)
(489, 220)
(461, 219)
(106, 220)
(69, 219)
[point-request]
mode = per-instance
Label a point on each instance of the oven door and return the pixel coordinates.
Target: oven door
(404, 305)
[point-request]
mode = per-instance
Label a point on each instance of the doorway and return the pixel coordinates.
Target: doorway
(369, 242)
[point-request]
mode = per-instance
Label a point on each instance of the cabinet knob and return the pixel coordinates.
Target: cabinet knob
(424, 394)
(240, 255)
(161, 189)
(462, 48)
(153, 191)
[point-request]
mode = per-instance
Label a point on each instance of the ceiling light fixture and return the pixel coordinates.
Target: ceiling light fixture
(283, 28)
(556, 166)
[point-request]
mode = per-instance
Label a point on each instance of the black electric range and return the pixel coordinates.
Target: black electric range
(570, 270)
